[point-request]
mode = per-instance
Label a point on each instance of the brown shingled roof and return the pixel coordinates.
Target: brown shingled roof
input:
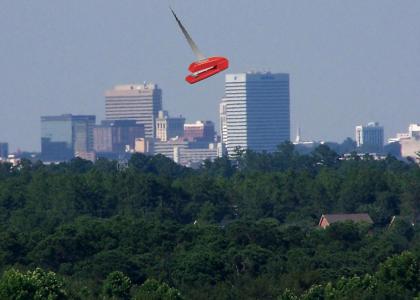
(332, 218)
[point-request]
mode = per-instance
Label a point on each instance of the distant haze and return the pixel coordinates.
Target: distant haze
(350, 62)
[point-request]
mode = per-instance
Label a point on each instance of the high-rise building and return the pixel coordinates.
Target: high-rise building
(116, 136)
(370, 138)
(255, 112)
(4, 150)
(66, 136)
(200, 131)
(169, 127)
(83, 133)
(139, 102)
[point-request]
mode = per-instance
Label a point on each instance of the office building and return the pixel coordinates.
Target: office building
(4, 151)
(83, 133)
(139, 102)
(116, 136)
(200, 131)
(179, 150)
(410, 148)
(409, 142)
(167, 148)
(255, 112)
(154, 147)
(370, 138)
(169, 127)
(62, 137)
(194, 157)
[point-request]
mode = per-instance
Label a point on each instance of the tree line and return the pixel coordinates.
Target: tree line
(235, 228)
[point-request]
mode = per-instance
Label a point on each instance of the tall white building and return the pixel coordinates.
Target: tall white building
(370, 138)
(140, 102)
(255, 112)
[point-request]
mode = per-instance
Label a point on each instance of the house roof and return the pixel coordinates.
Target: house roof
(332, 218)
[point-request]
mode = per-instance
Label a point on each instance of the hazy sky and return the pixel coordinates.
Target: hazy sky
(350, 61)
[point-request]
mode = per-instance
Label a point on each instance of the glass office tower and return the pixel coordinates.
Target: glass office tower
(64, 136)
(255, 112)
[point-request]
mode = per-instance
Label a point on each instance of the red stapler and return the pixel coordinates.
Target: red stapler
(203, 67)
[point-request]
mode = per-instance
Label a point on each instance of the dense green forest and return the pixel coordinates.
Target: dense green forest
(233, 229)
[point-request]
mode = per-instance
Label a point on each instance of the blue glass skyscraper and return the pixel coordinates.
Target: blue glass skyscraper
(255, 112)
(62, 137)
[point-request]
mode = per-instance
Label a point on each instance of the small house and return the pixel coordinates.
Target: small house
(327, 220)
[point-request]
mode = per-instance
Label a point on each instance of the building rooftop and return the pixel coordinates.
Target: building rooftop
(199, 123)
(67, 117)
(373, 124)
(135, 86)
(333, 218)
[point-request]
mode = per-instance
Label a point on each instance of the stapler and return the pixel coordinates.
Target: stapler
(204, 67)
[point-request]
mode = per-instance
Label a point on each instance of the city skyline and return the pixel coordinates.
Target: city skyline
(349, 63)
(134, 88)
